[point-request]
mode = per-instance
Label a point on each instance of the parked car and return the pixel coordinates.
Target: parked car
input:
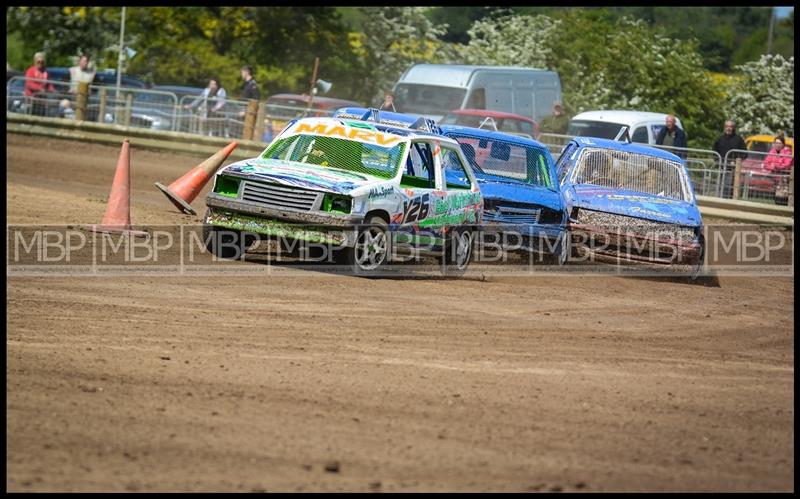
(59, 76)
(362, 187)
(643, 127)
(432, 90)
(631, 204)
(757, 180)
(503, 122)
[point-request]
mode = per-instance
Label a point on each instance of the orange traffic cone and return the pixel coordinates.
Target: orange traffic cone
(185, 189)
(118, 212)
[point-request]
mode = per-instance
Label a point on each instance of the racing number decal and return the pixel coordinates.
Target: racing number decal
(416, 209)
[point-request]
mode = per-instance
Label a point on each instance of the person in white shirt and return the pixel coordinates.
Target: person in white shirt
(213, 99)
(80, 73)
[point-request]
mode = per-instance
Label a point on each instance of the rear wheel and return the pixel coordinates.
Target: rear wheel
(457, 252)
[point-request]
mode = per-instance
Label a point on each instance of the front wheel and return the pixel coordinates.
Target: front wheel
(371, 250)
(561, 252)
(226, 243)
(457, 252)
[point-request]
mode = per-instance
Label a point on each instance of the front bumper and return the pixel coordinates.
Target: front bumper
(609, 245)
(311, 226)
(541, 239)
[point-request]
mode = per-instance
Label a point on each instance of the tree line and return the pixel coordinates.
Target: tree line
(703, 64)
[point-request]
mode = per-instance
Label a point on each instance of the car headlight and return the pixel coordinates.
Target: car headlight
(335, 203)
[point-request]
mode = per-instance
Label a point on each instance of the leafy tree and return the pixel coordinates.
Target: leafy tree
(607, 64)
(762, 100)
(64, 32)
(510, 41)
(393, 40)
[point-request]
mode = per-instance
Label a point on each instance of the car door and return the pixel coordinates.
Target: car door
(420, 180)
(458, 203)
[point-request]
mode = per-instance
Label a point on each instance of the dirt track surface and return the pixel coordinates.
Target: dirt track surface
(319, 382)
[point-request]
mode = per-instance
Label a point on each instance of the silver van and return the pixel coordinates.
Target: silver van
(432, 90)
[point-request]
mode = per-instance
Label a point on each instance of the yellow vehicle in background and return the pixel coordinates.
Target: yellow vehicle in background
(763, 143)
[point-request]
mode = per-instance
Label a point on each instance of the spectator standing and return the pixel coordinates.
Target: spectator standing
(729, 141)
(556, 122)
(250, 89)
(780, 157)
(80, 73)
(388, 101)
(213, 99)
(37, 89)
(672, 136)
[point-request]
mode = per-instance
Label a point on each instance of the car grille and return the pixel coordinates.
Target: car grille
(278, 196)
(507, 214)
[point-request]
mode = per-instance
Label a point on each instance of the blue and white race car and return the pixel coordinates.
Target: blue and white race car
(630, 203)
(522, 200)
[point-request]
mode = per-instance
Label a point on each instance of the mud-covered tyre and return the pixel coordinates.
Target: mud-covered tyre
(226, 243)
(371, 250)
(457, 252)
(561, 252)
(699, 267)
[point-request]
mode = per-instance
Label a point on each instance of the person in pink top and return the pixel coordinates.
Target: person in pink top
(780, 157)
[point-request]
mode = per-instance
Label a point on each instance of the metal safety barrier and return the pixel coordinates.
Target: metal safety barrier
(758, 176)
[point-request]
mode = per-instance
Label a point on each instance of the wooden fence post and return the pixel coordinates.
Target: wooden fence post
(250, 119)
(81, 100)
(128, 107)
(736, 173)
(258, 130)
(101, 112)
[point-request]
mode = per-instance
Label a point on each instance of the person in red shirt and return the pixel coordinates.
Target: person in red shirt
(37, 72)
(780, 157)
(35, 87)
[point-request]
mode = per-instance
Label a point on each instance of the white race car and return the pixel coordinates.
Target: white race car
(362, 187)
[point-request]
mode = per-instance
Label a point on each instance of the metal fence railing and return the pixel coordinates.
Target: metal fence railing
(206, 117)
(761, 176)
(710, 174)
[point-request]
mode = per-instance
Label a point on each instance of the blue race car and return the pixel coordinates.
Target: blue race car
(523, 206)
(630, 203)
(522, 201)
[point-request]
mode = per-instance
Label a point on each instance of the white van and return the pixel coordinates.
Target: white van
(643, 127)
(432, 90)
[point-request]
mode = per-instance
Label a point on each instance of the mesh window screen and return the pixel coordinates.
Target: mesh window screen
(343, 154)
(634, 172)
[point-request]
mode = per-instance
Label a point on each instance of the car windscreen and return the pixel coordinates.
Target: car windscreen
(600, 129)
(631, 171)
(427, 99)
(371, 159)
(527, 164)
